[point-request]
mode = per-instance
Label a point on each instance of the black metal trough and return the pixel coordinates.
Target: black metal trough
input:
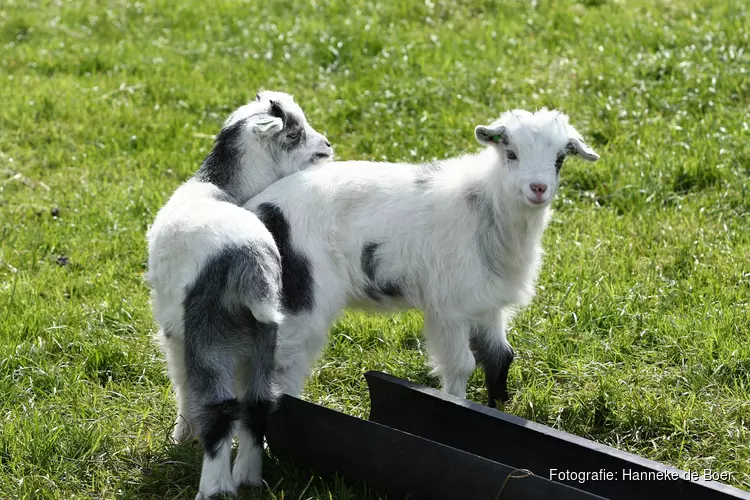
(421, 443)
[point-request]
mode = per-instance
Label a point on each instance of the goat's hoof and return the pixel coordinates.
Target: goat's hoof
(215, 483)
(492, 401)
(221, 493)
(246, 476)
(182, 432)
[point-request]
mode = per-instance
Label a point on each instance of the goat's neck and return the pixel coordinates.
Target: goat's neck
(242, 176)
(253, 177)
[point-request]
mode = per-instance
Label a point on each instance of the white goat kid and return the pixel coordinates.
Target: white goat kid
(458, 239)
(216, 284)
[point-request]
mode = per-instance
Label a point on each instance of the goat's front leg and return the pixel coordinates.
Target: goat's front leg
(450, 355)
(494, 353)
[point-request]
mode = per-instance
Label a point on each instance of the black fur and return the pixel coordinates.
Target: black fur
(377, 288)
(289, 120)
(296, 272)
(559, 163)
(255, 418)
(368, 260)
(216, 423)
(496, 361)
(214, 306)
(277, 111)
(223, 163)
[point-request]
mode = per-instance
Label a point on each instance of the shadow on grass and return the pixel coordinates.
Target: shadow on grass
(175, 474)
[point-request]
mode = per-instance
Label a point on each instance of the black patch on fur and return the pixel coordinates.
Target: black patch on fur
(255, 419)
(368, 260)
(216, 423)
(296, 272)
(293, 138)
(559, 163)
(215, 313)
(214, 305)
(223, 163)
(392, 289)
(496, 361)
(375, 288)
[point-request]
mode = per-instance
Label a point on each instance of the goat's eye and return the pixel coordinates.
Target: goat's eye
(511, 155)
(293, 136)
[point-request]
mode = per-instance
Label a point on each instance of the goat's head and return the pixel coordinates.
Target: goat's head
(531, 149)
(276, 128)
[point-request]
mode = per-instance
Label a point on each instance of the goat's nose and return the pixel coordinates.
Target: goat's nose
(538, 188)
(327, 143)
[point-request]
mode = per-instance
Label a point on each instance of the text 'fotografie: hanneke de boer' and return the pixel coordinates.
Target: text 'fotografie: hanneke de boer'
(637, 475)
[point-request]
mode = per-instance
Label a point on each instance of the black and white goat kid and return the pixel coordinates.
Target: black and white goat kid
(215, 275)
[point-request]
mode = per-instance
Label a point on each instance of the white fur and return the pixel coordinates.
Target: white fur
(215, 475)
(247, 465)
(428, 235)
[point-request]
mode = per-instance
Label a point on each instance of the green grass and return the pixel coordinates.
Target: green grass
(638, 336)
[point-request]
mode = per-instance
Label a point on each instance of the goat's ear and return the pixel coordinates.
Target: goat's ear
(576, 146)
(494, 134)
(270, 123)
(266, 125)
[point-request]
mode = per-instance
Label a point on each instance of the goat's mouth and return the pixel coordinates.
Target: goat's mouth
(321, 157)
(535, 202)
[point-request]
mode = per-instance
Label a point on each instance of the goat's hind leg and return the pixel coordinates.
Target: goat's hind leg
(494, 353)
(174, 353)
(301, 339)
(256, 381)
(213, 410)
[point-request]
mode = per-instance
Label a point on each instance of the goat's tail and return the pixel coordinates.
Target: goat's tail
(255, 277)
(268, 311)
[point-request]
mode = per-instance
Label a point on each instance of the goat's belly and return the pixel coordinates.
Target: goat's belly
(483, 299)
(379, 303)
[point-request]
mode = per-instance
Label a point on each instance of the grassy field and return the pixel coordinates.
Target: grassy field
(638, 337)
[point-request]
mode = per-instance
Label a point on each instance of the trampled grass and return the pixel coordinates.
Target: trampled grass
(638, 337)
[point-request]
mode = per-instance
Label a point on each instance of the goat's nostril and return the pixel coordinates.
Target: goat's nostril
(328, 143)
(538, 188)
